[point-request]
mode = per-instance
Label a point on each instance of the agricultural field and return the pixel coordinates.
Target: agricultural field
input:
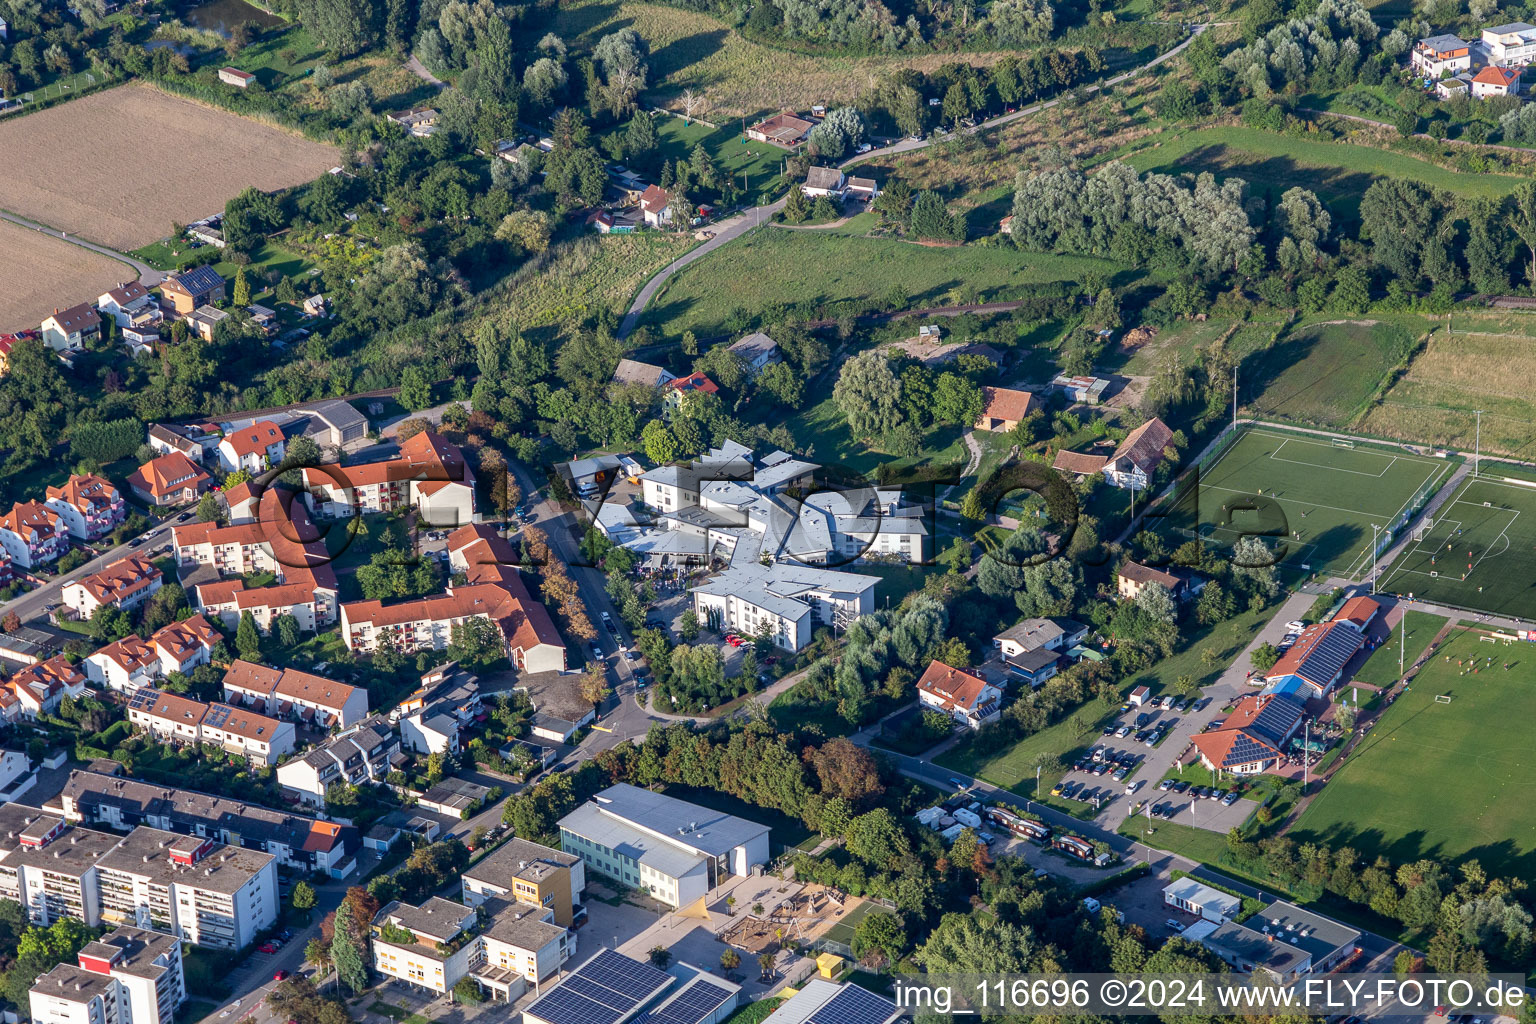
(736, 76)
(202, 156)
(702, 297)
(41, 273)
(1455, 375)
(1324, 372)
(1443, 780)
(1318, 500)
(1339, 172)
(1480, 550)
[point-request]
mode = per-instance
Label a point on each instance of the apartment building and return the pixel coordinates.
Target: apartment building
(429, 474)
(673, 850)
(526, 872)
(298, 842)
(364, 754)
(501, 945)
(90, 506)
(426, 624)
(201, 891)
(33, 534)
(253, 448)
(785, 600)
(270, 532)
(1511, 45)
(129, 663)
(41, 688)
(290, 693)
(128, 976)
(49, 866)
(126, 583)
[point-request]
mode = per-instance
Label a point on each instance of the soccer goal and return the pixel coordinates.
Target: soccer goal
(1442, 698)
(1343, 442)
(1422, 530)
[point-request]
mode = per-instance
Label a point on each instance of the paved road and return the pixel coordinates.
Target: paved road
(31, 605)
(148, 275)
(739, 225)
(417, 68)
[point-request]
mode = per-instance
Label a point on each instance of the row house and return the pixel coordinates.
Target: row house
(128, 976)
(130, 663)
(126, 583)
(427, 624)
(253, 448)
(90, 506)
(231, 599)
(40, 689)
(171, 479)
(288, 692)
(429, 475)
(299, 842)
(533, 642)
(33, 534)
(239, 731)
(360, 756)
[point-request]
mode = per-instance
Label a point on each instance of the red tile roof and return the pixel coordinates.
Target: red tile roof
(1359, 609)
(1138, 573)
(1006, 403)
(254, 439)
(120, 580)
(86, 492)
(1492, 75)
(27, 516)
(954, 687)
(156, 476)
(695, 381)
(1080, 463)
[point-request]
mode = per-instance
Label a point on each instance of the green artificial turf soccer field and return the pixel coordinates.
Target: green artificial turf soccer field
(1315, 500)
(1479, 552)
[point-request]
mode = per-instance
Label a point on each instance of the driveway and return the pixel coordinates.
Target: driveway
(1232, 684)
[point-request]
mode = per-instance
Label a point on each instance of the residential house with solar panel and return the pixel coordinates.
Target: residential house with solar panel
(611, 988)
(1254, 736)
(675, 851)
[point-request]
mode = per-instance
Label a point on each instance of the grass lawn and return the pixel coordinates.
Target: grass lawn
(1324, 372)
(1339, 172)
(1328, 495)
(824, 428)
(1444, 781)
(755, 1012)
(1186, 338)
(1014, 767)
(1382, 666)
(1456, 375)
(752, 165)
(847, 267)
(1489, 525)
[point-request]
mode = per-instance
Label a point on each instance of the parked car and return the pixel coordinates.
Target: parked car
(1229, 799)
(1181, 786)
(1295, 626)
(1201, 704)
(1123, 731)
(280, 975)
(266, 948)
(596, 651)
(1174, 926)
(1165, 785)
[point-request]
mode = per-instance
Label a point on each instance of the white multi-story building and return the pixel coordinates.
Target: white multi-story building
(126, 583)
(502, 945)
(1511, 45)
(361, 755)
(49, 866)
(427, 624)
(675, 851)
(40, 689)
(199, 890)
(90, 506)
(253, 448)
(128, 976)
(430, 475)
(129, 663)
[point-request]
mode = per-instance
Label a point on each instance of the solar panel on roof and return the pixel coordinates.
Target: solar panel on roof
(622, 974)
(854, 1005)
(562, 1006)
(692, 1006)
(585, 986)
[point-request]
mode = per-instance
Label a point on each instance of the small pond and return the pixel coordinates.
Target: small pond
(222, 16)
